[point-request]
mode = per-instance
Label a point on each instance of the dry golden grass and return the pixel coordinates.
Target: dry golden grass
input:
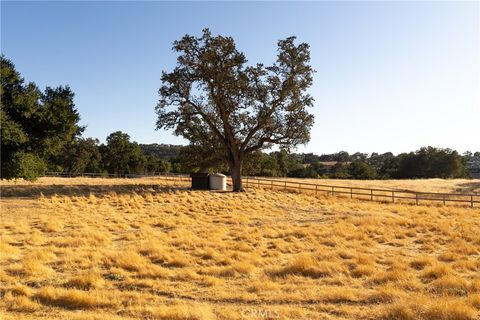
(130, 251)
(79, 184)
(418, 185)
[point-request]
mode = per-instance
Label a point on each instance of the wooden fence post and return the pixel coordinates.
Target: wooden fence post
(393, 196)
(271, 183)
(333, 190)
(444, 199)
(371, 194)
(285, 188)
(471, 201)
(316, 189)
(299, 187)
(416, 198)
(351, 193)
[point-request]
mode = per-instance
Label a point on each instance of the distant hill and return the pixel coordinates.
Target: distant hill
(166, 151)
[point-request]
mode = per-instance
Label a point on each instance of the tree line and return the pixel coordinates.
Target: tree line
(428, 162)
(121, 156)
(40, 132)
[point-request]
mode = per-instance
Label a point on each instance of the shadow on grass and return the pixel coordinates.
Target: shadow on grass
(34, 191)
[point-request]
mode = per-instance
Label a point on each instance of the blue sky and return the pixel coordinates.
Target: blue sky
(391, 76)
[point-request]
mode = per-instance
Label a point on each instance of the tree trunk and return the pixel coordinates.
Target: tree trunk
(236, 172)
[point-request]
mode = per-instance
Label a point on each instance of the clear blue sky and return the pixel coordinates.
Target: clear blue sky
(391, 76)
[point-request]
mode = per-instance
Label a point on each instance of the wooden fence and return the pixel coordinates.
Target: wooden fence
(170, 179)
(114, 175)
(371, 194)
(383, 195)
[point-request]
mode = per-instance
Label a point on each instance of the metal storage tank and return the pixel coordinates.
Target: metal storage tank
(199, 181)
(218, 181)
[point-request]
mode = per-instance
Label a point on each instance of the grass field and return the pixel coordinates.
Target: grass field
(419, 185)
(463, 186)
(118, 249)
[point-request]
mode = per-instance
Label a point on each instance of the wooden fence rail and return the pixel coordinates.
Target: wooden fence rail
(372, 194)
(113, 175)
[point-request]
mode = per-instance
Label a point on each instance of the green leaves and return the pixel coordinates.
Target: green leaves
(35, 126)
(121, 156)
(23, 165)
(214, 98)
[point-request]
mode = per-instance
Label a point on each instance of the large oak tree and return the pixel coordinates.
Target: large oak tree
(222, 104)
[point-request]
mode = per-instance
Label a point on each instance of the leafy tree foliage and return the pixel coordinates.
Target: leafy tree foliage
(197, 158)
(164, 151)
(35, 125)
(276, 164)
(215, 100)
(359, 156)
(430, 162)
(120, 156)
(340, 171)
(82, 155)
(154, 165)
(427, 162)
(24, 165)
(361, 170)
(265, 165)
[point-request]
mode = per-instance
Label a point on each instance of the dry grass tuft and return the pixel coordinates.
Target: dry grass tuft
(421, 262)
(450, 285)
(20, 303)
(178, 312)
(424, 309)
(71, 298)
(437, 271)
(86, 281)
(305, 266)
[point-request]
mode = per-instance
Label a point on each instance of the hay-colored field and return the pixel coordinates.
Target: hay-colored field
(127, 251)
(463, 186)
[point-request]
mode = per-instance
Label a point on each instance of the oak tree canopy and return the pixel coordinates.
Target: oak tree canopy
(219, 102)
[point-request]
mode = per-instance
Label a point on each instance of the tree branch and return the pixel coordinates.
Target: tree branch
(262, 141)
(261, 119)
(207, 119)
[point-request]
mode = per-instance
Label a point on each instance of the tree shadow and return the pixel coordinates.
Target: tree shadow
(468, 187)
(35, 191)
